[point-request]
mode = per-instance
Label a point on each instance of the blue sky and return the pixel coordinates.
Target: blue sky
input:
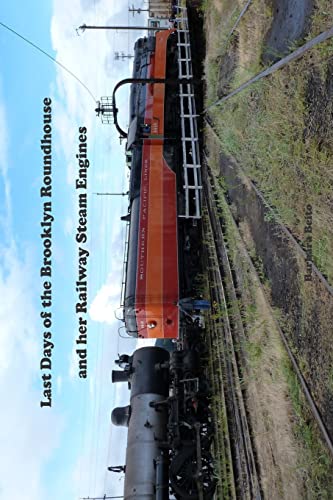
(60, 452)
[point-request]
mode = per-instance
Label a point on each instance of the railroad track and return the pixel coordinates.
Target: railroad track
(209, 195)
(236, 456)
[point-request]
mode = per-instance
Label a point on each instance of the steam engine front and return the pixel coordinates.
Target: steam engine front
(169, 425)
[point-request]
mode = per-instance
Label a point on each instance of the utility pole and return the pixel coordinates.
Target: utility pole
(98, 498)
(84, 27)
(122, 56)
(139, 10)
(112, 194)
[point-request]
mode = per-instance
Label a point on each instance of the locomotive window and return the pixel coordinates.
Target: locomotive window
(154, 24)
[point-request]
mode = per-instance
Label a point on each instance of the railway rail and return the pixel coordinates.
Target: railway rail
(208, 182)
(237, 461)
(240, 475)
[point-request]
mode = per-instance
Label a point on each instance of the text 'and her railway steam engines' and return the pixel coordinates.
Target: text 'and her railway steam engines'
(81, 285)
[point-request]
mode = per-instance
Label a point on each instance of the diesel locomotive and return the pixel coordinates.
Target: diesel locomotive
(169, 423)
(161, 244)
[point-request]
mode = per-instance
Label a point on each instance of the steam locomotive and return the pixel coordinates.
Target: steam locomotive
(169, 422)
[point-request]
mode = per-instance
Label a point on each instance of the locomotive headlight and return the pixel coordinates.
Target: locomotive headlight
(151, 324)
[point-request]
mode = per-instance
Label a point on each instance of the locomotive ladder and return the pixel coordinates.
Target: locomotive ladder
(189, 129)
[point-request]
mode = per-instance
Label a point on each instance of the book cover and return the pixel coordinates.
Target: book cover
(259, 259)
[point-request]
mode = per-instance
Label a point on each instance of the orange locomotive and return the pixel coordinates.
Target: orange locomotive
(154, 283)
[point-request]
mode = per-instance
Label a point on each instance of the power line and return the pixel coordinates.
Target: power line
(112, 194)
(47, 55)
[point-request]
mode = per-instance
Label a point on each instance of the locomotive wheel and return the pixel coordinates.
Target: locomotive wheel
(183, 472)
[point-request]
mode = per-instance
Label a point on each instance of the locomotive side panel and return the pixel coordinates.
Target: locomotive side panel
(143, 49)
(157, 276)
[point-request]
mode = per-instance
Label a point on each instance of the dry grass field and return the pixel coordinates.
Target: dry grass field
(280, 128)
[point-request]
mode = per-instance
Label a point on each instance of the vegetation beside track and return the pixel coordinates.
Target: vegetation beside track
(221, 446)
(279, 129)
(299, 466)
(279, 132)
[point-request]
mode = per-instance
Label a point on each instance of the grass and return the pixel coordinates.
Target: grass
(315, 460)
(251, 32)
(279, 131)
(222, 453)
(274, 131)
(218, 38)
(265, 353)
(255, 353)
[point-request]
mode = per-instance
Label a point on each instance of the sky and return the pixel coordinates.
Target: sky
(62, 451)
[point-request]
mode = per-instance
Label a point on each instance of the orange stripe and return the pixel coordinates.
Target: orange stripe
(154, 306)
(154, 282)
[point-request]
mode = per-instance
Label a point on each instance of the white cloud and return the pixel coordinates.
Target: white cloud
(73, 363)
(105, 307)
(28, 434)
(17, 313)
(105, 304)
